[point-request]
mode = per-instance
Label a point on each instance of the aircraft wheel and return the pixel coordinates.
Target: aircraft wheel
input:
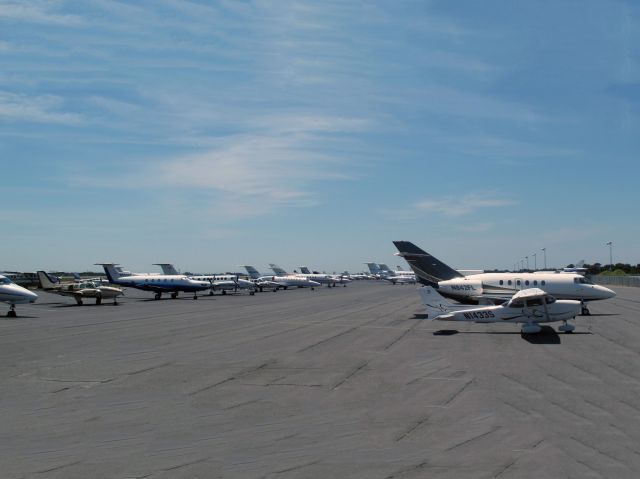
(586, 312)
(157, 296)
(211, 293)
(224, 292)
(251, 293)
(195, 296)
(173, 296)
(79, 301)
(11, 314)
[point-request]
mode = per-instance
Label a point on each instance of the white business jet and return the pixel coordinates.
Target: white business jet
(219, 282)
(382, 271)
(157, 283)
(496, 287)
(276, 281)
(13, 294)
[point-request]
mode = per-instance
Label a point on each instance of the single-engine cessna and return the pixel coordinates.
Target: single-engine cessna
(530, 306)
(496, 287)
(13, 294)
(79, 290)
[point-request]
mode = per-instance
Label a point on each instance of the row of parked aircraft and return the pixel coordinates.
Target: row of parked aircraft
(487, 290)
(529, 298)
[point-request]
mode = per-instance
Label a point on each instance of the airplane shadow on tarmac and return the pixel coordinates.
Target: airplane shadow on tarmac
(547, 335)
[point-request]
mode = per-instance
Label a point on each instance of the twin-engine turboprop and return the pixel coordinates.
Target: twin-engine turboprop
(157, 283)
(530, 306)
(14, 294)
(487, 287)
(79, 289)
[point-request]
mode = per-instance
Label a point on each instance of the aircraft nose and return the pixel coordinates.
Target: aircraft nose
(606, 292)
(32, 297)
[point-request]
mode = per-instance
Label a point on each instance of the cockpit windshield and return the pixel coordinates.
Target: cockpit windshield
(582, 280)
(5, 280)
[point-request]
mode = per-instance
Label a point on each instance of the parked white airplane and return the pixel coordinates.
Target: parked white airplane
(13, 294)
(496, 286)
(333, 279)
(219, 282)
(278, 281)
(382, 271)
(530, 306)
(79, 289)
(157, 283)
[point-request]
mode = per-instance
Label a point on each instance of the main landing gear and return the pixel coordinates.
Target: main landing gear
(566, 328)
(12, 311)
(530, 328)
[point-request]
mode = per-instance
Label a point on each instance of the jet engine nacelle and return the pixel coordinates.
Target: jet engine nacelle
(461, 287)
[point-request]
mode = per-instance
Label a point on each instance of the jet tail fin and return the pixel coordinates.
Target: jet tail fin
(429, 270)
(112, 271)
(435, 304)
(277, 270)
(252, 272)
(167, 268)
(47, 281)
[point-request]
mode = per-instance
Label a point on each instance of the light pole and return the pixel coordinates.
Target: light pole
(527, 258)
(610, 245)
(544, 250)
(535, 261)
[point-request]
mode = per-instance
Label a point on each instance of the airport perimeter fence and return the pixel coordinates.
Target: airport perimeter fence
(616, 280)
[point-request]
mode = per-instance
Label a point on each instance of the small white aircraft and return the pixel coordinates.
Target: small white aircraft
(530, 306)
(331, 279)
(277, 282)
(219, 282)
(13, 294)
(79, 290)
(382, 271)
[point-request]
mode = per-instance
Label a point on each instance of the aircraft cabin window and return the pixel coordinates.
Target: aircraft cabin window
(518, 282)
(516, 304)
(509, 282)
(501, 282)
(535, 282)
(526, 282)
(543, 282)
(534, 302)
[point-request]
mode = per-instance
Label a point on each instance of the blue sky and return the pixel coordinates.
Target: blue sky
(214, 134)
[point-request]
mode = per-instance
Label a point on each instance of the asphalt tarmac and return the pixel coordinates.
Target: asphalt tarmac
(332, 383)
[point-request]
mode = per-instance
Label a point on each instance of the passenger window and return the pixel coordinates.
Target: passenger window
(535, 282)
(501, 282)
(509, 282)
(518, 282)
(526, 282)
(534, 302)
(516, 304)
(542, 282)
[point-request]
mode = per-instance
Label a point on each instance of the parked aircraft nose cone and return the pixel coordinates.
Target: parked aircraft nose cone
(606, 292)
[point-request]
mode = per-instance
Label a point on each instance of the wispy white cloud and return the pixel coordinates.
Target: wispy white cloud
(254, 173)
(461, 205)
(39, 109)
(37, 11)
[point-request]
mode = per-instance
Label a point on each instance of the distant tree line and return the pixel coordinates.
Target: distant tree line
(618, 268)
